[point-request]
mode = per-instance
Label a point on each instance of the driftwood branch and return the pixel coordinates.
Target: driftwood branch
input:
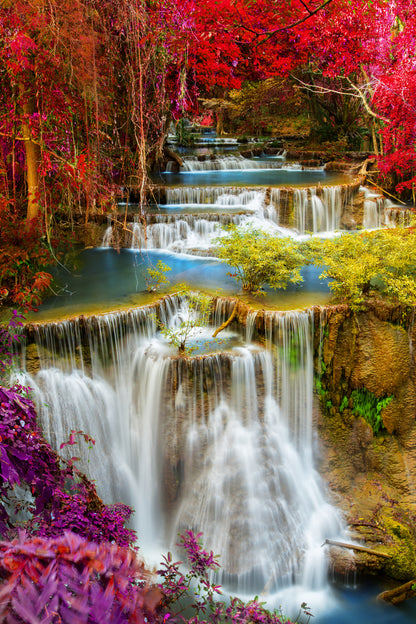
(386, 192)
(370, 551)
(399, 594)
(173, 155)
(227, 322)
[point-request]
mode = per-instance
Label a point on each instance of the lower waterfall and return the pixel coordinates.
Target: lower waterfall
(220, 442)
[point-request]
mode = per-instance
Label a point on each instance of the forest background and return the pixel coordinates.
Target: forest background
(91, 88)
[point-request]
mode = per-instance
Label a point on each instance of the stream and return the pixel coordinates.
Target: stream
(222, 442)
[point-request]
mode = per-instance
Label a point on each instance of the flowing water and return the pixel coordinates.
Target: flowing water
(212, 192)
(222, 442)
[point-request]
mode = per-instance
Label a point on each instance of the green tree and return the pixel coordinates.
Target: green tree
(260, 258)
(377, 264)
(194, 314)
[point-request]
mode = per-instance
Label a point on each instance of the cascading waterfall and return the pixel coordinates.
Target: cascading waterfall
(332, 200)
(227, 163)
(317, 213)
(271, 210)
(221, 443)
(217, 195)
(185, 232)
(395, 216)
(373, 210)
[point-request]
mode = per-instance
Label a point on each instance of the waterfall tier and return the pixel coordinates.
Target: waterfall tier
(300, 211)
(221, 443)
(226, 163)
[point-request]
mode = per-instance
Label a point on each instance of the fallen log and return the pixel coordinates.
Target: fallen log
(399, 594)
(370, 551)
(227, 322)
(171, 155)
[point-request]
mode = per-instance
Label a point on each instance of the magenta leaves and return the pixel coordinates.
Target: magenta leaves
(58, 496)
(193, 593)
(74, 581)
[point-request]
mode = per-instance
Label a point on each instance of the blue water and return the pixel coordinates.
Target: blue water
(254, 177)
(107, 279)
(359, 605)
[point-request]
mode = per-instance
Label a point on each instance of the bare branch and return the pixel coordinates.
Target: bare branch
(306, 6)
(272, 33)
(361, 94)
(321, 90)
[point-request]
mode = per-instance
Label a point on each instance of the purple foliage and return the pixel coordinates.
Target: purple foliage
(62, 497)
(194, 591)
(69, 580)
(9, 337)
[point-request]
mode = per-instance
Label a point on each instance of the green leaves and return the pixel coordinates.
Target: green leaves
(358, 266)
(260, 258)
(371, 264)
(369, 407)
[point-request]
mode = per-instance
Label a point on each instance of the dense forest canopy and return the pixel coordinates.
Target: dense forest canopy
(90, 89)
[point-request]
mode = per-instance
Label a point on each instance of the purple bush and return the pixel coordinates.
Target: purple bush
(9, 337)
(193, 591)
(69, 580)
(58, 496)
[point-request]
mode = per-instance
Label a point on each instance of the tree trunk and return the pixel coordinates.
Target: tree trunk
(32, 152)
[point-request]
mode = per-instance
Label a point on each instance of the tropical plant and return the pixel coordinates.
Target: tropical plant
(193, 591)
(369, 407)
(157, 276)
(187, 323)
(260, 258)
(69, 580)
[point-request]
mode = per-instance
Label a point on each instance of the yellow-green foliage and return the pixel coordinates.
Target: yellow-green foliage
(157, 277)
(359, 265)
(371, 262)
(260, 258)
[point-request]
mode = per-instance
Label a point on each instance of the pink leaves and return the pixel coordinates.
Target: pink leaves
(72, 439)
(70, 580)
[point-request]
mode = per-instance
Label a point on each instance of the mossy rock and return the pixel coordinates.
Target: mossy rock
(402, 565)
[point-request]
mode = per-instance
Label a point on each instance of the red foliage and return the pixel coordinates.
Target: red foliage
(23, 255)
(107, 77)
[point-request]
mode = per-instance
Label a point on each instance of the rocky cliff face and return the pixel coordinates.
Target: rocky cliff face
(366, 383)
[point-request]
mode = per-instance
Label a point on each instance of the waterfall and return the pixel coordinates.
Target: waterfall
(317, 213)
(373, 213)
(217, 195)
(226, 163)
(221, 443)
(397, 216)
(300, 206)
(332, 200)
(373, 210)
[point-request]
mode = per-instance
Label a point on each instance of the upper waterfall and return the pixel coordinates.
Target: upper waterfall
(228, 163)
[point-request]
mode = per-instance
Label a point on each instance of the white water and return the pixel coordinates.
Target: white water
(381, 212)
(220, 196)
(178, 232)
(227, 163)
(241, 422)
